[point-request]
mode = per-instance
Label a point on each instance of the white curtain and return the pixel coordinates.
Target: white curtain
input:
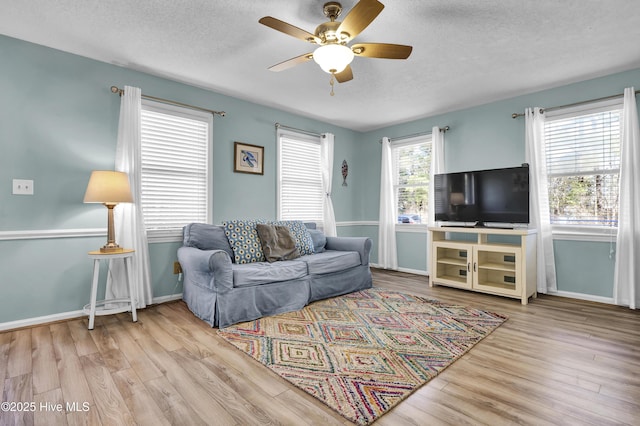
(326, 163)
(387, 251)
(626, 282)
(539, 199)
(129, 223)
(437, 166)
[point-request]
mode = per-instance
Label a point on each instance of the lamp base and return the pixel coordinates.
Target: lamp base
(111, 248)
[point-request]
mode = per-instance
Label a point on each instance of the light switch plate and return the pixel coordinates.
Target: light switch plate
(22, 187)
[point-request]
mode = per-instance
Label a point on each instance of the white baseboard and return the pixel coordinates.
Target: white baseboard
(29, 322)
(407, 270)
(413, 271)
(169, 298)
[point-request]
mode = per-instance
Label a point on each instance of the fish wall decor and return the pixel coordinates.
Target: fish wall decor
(345, 172)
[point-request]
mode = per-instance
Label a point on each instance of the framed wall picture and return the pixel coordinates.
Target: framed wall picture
(248, 158)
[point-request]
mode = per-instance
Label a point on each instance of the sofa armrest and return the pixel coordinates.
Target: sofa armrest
(360, 244)
(210, 269)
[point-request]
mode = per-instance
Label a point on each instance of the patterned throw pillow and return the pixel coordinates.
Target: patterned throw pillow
(300, 233)
(244, 241)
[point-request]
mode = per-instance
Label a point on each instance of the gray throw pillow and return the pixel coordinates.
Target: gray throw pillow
(206, 237)
(277, 242)
(319, 240)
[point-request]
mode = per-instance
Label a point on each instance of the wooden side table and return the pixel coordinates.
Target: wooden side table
(99, 307)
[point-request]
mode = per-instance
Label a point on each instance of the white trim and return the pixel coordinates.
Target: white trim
(417, 228)
(164, 299)
(412, 140)
(175, 235)
(358, 223)
(421, 228)
(414, 271)
(583, 296)
(170, 236)
(406, 270)
(553, 114)
(38, 234)
(597, 234)
(559, 233)
(29, 322)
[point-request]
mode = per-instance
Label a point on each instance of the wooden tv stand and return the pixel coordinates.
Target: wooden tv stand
(500, 268)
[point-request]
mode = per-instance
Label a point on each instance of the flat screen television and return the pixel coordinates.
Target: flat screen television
(495, 197)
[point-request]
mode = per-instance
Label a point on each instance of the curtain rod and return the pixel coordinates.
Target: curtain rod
(606, 98)
(306, 132)
(442, 129)
(115, 89)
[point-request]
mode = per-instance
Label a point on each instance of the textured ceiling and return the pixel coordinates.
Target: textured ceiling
(465, 52)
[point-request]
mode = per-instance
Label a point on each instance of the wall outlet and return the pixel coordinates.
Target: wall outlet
(22, 187)
(177, 269)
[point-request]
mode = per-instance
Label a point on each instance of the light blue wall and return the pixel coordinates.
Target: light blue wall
(486, 136)
(585, 268)
(58, 122)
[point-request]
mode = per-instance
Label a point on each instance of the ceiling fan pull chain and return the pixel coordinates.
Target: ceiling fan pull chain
(331, 82)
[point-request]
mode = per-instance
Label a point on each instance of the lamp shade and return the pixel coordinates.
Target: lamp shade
(108, 187)
(333, 58)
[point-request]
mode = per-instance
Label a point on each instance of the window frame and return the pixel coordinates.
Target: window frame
(582, 232)
(405, 142)
(175, 234)
(302, 138)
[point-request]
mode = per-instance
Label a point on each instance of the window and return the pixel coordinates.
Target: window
(583, 162)
(412, 170)
(300, 193)
(175, 167)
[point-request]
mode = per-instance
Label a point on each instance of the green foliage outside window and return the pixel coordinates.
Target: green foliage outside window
(413, 171)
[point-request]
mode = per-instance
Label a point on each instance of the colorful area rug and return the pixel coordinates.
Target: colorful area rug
(363, 353)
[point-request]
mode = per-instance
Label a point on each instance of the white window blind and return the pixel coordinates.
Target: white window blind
(412, 168)
(300, 178)
(583, 163)
(175, 159)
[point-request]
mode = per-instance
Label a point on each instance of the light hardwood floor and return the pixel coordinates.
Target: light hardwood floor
(555, 361)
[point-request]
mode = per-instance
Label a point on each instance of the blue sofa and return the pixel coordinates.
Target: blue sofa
(222, 292)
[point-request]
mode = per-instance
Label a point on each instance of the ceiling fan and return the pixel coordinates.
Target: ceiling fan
(333, 54)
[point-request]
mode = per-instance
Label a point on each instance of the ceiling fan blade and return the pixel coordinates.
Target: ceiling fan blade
(288, 29)
(360, 17)
(289, 63)
(345, 75)
(382, 50)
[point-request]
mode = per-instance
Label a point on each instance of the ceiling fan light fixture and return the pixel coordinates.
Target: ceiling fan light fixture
(333, 58)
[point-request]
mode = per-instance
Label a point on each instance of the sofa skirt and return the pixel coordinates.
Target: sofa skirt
(248, 303)
(342, 282)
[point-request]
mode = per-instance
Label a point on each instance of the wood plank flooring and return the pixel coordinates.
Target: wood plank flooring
(555, 361)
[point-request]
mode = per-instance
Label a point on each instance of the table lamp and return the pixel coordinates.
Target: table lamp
(109, 188)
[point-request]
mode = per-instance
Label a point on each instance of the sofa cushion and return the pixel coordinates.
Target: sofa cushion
(300, 233)
(277, 242)
(331, 261)
(206, 237)
(319, 240)
(244, 241)
(258, 273)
